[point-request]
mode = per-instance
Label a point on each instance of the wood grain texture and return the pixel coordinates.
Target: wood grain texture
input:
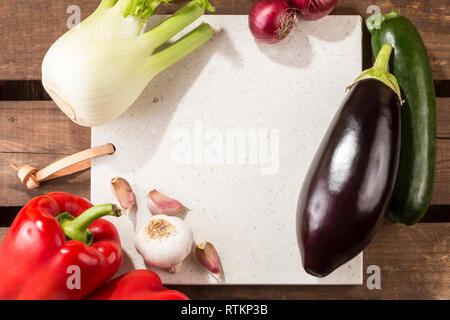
(443, 117)
(38, 133)
(3, 232)
(15, 194)
(39, 127)
(28, 28)
(441, 192)
(414, 263)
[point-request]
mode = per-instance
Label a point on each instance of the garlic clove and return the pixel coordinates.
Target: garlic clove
(124, 194)
(159, 203)
(207, 255)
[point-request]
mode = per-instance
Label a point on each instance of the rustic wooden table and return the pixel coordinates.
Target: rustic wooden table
(414, 262)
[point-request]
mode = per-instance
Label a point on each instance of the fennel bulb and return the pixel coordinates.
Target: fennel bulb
(95, 71)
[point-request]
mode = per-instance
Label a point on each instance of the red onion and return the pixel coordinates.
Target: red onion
(313, 9)
(271, 20)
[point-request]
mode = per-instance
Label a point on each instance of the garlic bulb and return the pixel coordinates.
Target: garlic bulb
(164, 241)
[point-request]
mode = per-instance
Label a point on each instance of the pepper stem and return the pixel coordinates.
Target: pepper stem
(77, 228)
(380, 72)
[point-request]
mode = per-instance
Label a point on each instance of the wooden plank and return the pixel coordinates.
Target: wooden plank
(414, 264)
(443, 117)
(441, 192)
(16, 195)
(29, 28)
(38, 133)
(3, 232)
(39, 127)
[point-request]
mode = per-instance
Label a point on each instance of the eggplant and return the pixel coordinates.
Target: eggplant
(350, 181)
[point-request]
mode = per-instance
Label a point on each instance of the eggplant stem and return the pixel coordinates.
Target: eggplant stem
(382, 61)
(380, 72)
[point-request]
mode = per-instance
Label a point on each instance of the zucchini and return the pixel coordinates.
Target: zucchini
(410, 65)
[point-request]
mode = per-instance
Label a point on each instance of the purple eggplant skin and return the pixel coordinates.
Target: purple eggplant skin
(350, 181)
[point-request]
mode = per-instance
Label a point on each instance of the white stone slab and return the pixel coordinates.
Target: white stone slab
(177, 138)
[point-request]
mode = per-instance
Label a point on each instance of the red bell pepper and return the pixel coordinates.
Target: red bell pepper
(54, 239)
(136, 285)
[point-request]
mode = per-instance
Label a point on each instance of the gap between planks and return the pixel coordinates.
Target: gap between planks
(32, 90)
(435, 214)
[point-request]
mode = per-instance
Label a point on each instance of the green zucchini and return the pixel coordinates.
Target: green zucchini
(410, 65)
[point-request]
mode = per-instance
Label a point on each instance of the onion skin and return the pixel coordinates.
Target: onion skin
(350, 181)
(313, 9)
(270, 21)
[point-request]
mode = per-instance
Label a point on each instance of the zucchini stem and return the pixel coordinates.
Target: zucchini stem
(374, 22)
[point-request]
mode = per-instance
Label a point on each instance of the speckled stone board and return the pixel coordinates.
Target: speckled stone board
(230, 132)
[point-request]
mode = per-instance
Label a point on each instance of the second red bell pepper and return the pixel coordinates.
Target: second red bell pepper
(58, 248)
(136, 285)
